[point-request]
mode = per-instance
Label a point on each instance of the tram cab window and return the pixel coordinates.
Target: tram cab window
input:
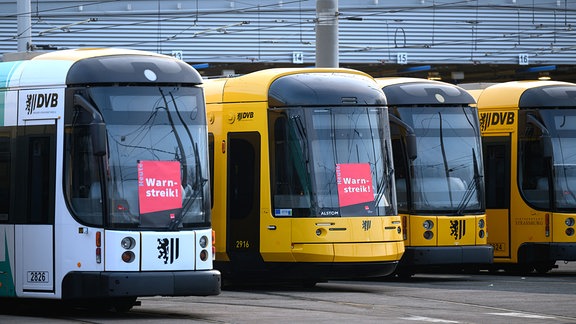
(290, 183)
(400, 169)
(533, 168)
(83, 183)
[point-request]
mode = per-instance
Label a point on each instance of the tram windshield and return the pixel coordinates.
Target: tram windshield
(560, 126)
(331, 162)
(446, 175)
(155, 166)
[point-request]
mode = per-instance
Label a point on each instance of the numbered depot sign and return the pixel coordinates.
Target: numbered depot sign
(355, 189)
(178, 54)
(297, 57)
(523, 59)
(401, 58)
(159, 191)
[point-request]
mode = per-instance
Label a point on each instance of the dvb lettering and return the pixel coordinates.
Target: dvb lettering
(503, 118)
(41, 100)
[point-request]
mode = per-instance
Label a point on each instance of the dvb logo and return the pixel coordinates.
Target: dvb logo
(41, 100)
(496, 119)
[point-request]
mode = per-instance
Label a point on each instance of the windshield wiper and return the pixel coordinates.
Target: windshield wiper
(475, 183)
(199, 180)
(178, 140)
(386, 179)
(303, 152)
(447, 169)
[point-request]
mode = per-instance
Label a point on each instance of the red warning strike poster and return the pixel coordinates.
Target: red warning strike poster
(159, 186)
(355, 186)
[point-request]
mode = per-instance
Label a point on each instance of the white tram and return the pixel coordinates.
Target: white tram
(104, 180)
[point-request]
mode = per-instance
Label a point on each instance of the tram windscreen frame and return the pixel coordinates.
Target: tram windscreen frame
(316, 157)
(166, 124)
(447, 175)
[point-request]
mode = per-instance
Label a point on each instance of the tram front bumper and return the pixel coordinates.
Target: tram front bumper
(80, 285)
(546, 252)
(447, 255)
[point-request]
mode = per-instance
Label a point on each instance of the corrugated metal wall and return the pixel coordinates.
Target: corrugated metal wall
(371, 32)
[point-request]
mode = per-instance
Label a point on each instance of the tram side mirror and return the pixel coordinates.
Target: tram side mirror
(410, 137)
(98, 132)
(411, 146)
(546, 145)
(545, 138)
(97, 126)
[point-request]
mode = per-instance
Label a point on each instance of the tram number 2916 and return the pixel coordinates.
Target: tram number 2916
(38, 276)
(242, 244)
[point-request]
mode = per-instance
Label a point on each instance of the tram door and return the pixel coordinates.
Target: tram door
(34, 208)
(496, 151)
(243, 199)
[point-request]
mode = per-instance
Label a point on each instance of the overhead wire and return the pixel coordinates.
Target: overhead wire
(182, 34)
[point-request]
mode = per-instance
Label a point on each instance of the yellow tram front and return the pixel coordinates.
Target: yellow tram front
(440, 180)
(529, 134)
(303, 176)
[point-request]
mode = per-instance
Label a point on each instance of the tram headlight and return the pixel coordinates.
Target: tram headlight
(481, 223)
(204, 255)
(428, 224)
(203, 241)
(428, 235)
(569, 221)
(481, 234)
(128, 256)
(570, 231)
(128, 243)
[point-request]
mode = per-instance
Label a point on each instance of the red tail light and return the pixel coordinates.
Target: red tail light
(404, 228)
(98, 247)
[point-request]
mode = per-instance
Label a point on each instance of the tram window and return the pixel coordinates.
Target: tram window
(5, 174)
(400, 169)
(496, 165)
(533, 169)
(36, 174)
(211, 160)
(243, 174)
(290, 183)
(534, 180)
(39, 184)
(84, 184)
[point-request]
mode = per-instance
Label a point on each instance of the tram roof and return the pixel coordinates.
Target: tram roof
(256, 86)
(84, 53)
(418, 91)
(92, 65)
(519, 94)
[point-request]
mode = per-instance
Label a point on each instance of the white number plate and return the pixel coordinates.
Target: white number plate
(38, 276)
